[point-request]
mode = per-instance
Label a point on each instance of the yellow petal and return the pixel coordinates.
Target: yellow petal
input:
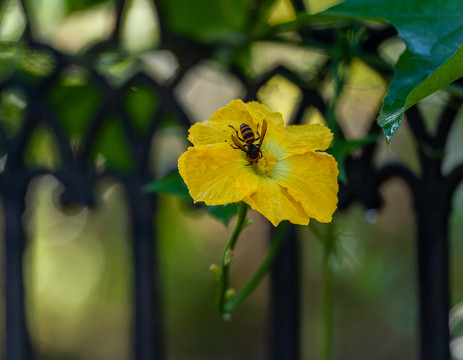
(312, 181)
(204, 134)
(260, 112)
(296, 139)
(217, 174)
(216, 129)
(236, 111)
(276, 204)
(301, 138)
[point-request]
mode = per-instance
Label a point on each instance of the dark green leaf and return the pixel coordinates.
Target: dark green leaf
(172, 184)
(75, 105)
(12, 111)
(42, 151)
(223, 213)
(207, 20)
(141, 102)
(111, 143)
(80, 5)
(432, 30)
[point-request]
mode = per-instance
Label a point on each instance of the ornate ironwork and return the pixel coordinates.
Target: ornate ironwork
(432, 190)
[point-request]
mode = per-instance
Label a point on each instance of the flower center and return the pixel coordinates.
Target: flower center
(267, 162)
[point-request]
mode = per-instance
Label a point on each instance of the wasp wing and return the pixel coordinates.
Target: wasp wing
(264, 130)
(238, 143)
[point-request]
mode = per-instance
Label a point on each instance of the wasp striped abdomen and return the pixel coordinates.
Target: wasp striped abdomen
(247, 133)
(253, 151)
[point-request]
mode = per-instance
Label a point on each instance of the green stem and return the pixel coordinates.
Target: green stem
(327, 318)
(338, 73)
(227, 253)
(326, 342)
(267, 263)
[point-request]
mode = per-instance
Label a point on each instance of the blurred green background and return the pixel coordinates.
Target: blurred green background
(79, 275)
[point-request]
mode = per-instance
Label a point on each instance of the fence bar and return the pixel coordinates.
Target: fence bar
(147, 325)
(17, 336)
(433, 276)
(285, 300)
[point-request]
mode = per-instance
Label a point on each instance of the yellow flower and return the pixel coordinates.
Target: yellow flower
(291, 181)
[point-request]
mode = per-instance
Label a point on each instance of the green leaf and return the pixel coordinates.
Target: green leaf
(141, 101)
(12, 111)
(432, 30)
(223, 213)
(75, 104)
(207, 20)
(80, 5)
(172, 184)
(111, 143)
(42, 151)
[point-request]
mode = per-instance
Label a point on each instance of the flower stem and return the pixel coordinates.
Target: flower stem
(226, 257)
(326, 341)
(327, 307)
(267, 263)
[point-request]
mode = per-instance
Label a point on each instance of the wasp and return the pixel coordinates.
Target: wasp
(253, 151)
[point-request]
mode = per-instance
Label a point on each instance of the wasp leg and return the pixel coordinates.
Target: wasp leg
(237, 143)
(237, 133)
(258, 135)
(234, 147)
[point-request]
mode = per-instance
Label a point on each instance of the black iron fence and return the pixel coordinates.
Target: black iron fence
(431, 189)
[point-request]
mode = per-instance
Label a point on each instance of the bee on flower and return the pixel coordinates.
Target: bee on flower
(282, 173)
